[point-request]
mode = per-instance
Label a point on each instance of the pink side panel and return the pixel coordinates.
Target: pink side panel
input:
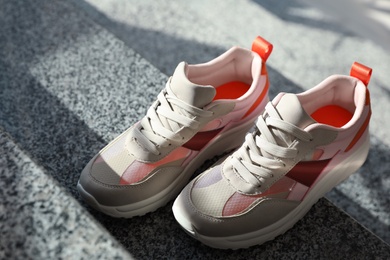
(239, 202)
(139, 170)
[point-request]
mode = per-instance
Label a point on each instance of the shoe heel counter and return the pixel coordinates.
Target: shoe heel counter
(363, 73)
(264, 49)
(258, 106)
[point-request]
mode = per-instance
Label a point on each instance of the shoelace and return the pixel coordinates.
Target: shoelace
(261, 154)
(162, 124)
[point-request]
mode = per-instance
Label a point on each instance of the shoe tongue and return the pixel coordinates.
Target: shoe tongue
(291, 110)
(191, 93)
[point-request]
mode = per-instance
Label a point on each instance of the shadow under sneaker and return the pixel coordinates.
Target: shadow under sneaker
(303, 146)
(203, 111)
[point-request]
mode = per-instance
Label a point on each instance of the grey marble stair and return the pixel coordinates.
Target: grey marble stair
(69, 85)
(40, 219)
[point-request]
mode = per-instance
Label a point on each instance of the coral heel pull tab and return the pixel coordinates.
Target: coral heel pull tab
(361, 72)
(262, 47)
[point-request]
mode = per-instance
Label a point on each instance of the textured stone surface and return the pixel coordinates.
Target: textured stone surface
(67, 87)
(38, 217)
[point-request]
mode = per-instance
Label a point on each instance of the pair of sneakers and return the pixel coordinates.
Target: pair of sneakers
(302, 146)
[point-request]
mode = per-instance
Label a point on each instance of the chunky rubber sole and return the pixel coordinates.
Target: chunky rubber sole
(222, 143)
(342, 167)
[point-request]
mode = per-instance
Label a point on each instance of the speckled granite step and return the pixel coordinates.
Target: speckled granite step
(67, 87)
(40, 219)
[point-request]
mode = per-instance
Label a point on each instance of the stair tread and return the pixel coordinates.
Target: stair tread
(67, 87)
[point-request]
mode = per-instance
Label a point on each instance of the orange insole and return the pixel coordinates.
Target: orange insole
(231, 90)
(332, 115)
